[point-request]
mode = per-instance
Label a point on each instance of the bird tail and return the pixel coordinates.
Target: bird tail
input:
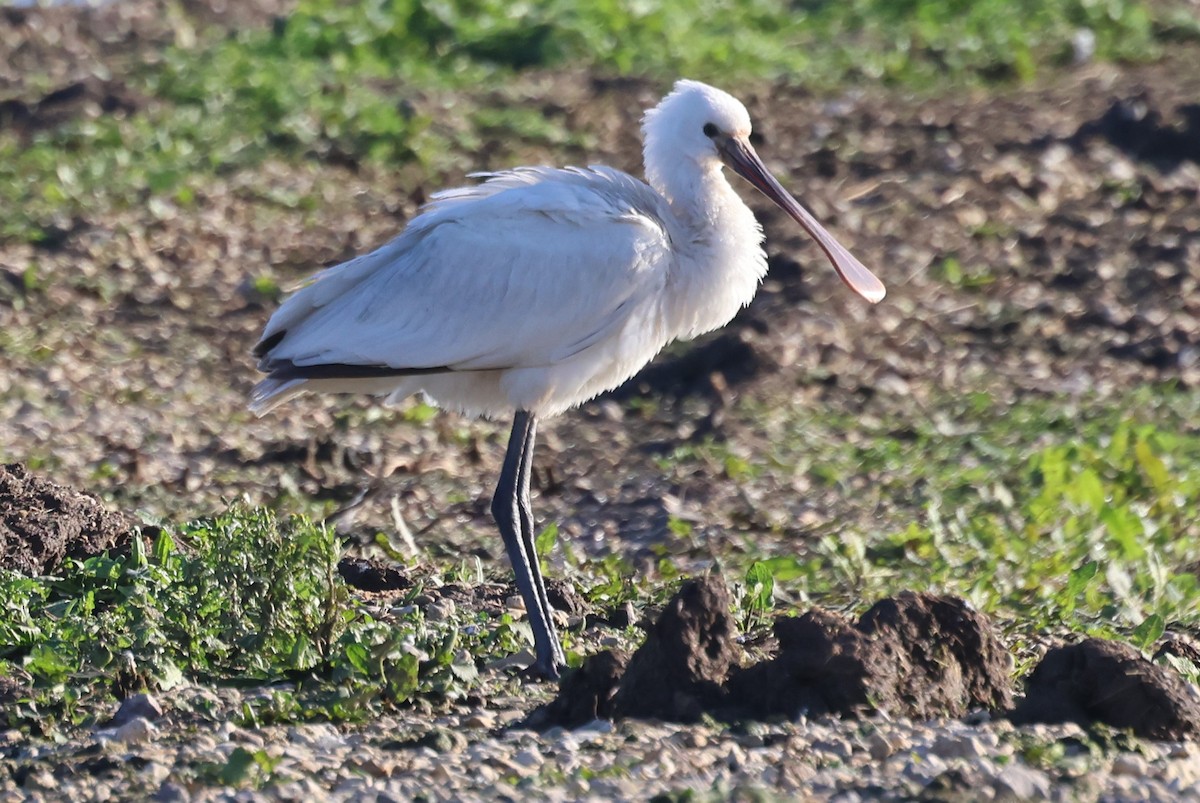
(274, 391)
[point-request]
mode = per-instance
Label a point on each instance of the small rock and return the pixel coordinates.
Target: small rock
(139, 705)
(1130, 764)
(1183, 772)
(42, 779)
(566, 743)
(323, 735)
(596, 726)
(486, 774)
(155, 772)
(135, 731)
(1018, 782)
(953, 784)
(440, 611)
(1152, 752)
(509, 717)
(751, 740)
(982, 767)
(734, 758)
(834, 747)
(203, 743)
(880, 746)
(924, 768)
(529, 758)
(483, 720)
(521, 660)
(171, 793)
(1180, 750)
(375, 767)
(510, 767)
(523, 737)
(442, 741)
(958, 746)
(752, 734)
(253, 738)
(990, 741)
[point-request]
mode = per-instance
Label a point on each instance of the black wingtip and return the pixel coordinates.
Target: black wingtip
(267, 343)
(284, 370)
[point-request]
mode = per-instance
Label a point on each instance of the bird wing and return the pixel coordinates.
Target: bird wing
(526, 269)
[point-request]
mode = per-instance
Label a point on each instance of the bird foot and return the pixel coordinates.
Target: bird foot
(547, 667)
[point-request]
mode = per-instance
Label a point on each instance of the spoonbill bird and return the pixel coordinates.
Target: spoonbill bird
(539, 288)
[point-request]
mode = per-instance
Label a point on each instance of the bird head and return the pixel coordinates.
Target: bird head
(694, 120)
(711, 128)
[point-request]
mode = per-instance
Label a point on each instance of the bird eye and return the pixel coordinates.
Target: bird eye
(710, 130)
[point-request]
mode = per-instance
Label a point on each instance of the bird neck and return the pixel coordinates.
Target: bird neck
(703, 202)
(719, 247)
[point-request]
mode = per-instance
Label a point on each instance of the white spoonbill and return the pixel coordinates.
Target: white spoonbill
(540, 288)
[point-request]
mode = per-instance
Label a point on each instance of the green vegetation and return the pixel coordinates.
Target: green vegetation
(239, 598)
(1062, 515)
(916, 41)
(1051, 516)
(345, 81)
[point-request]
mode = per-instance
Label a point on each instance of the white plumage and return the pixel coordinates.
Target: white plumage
(522, 287)
(540, 288)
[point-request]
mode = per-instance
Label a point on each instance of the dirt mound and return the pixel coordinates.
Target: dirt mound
(41, 523)
(1109, 682)
(1143, 132)
(679, 672)
(915, 655)
(585, 694)
(372, 575)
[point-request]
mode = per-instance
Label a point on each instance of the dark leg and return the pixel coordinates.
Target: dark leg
(528, 539)
(511, 508)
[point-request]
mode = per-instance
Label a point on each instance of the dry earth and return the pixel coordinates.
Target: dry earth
(1072, 207)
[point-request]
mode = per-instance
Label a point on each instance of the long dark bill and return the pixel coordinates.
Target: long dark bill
(740, 156)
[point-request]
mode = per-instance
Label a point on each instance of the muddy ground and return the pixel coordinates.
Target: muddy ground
(1072, 208)
(916, 656)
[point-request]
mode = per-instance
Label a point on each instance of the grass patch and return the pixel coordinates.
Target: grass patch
(1053, 515)
(238, 599)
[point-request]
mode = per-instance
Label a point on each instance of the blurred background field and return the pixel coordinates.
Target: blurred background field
(345, 81)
